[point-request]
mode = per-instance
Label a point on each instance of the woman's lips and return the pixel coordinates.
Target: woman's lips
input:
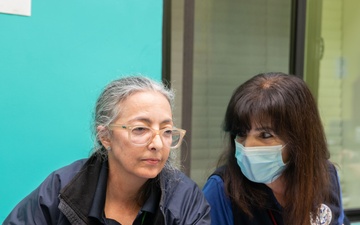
(152, 161)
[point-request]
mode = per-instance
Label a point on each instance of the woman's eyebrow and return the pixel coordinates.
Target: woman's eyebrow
(148, 121)
(140, 119)
(264, 129)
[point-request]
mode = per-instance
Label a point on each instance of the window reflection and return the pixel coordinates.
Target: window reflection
(339, 92)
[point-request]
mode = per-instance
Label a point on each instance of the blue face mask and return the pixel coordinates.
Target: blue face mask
(261, 164)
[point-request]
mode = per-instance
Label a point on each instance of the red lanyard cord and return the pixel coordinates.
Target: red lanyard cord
(272, 217)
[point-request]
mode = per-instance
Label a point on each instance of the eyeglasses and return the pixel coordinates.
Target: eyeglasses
(143, 135)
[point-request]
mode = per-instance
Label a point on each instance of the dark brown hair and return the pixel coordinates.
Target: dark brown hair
(286, 103)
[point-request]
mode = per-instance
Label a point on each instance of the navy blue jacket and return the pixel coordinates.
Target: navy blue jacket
(66, 195)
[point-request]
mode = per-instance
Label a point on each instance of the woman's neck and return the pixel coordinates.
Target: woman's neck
(121, 202)
(121, 187)
(278, 189)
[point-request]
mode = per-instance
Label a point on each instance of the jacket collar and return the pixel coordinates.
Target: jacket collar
(76, 198)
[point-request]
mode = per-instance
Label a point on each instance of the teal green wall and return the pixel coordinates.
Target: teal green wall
(53, 65)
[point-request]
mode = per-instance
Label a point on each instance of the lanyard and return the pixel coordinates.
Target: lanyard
(272, 217)
(143, 218)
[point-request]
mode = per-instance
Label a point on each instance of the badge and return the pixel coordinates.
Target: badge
(324, 216)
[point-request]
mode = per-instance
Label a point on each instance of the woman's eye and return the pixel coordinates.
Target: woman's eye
(242, 134)
(168, 132)
(140, 130)
(266, 135)
(241, 137)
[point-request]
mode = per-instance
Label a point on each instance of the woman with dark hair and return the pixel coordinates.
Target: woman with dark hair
(130, 178)
(275, 168)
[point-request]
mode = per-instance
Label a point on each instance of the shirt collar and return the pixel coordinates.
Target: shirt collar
(152, 203)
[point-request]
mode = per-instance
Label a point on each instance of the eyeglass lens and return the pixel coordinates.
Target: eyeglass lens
(142, 135)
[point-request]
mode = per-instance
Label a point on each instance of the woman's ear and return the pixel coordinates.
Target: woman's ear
(103, 135)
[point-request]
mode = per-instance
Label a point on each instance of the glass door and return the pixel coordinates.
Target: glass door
(233, 40)
(337, 85)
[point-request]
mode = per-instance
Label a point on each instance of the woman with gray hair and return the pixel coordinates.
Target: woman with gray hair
(130, 177)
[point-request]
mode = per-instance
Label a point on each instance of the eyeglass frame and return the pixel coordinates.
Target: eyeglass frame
(155, 132)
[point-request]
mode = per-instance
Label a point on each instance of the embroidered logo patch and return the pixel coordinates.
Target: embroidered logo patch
(324, 216)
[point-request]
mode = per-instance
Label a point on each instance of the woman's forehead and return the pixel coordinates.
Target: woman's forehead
(261, 121)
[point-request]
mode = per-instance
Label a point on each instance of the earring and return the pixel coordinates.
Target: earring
(108, 148)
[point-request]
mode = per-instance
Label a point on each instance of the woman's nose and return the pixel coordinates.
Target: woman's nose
(156, 142)
(249, 142)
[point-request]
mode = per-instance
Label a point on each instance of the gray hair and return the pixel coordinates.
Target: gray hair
(108, 105)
